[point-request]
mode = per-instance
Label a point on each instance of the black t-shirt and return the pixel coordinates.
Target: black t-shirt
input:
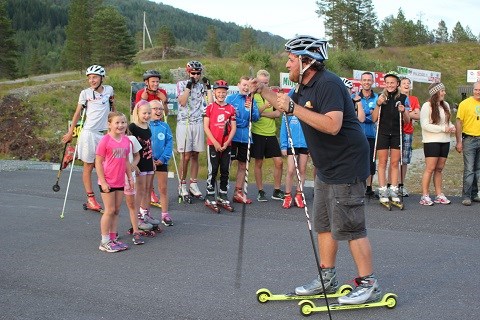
(144, 137)
(344, 157)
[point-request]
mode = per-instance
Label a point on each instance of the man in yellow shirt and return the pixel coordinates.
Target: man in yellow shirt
(468, 142)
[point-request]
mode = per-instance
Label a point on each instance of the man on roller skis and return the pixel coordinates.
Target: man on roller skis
(340, 152)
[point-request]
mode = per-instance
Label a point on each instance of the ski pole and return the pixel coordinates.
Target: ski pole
(376, 133)
(317, 260)
(73, 161)
(400, 119)
(244, 204)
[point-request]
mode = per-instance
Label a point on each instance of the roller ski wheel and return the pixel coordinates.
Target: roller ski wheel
(185, 199)
(386, 205)
(194, 196)
(397, 204)
(225, 204)
(212, 205)
(264, 295)
(156, 204)
(157, 229)
(143, 233)
(389, 300)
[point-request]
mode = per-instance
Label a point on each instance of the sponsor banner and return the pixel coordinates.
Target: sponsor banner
(378, 81)
(285, 82)
(473, 76)
(424, 76)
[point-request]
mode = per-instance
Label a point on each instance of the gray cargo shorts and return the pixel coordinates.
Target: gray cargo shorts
(340, 209)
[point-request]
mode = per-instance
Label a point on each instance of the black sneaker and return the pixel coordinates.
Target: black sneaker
(278, 194)
(261, 196)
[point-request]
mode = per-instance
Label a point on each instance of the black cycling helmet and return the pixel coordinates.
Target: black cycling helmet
(151, 73)
(308, 46)
(220, 84)
(194, 66)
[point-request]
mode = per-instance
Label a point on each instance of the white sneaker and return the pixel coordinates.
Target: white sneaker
(394, 194)
(366, 290)
(194, 189)
(383, 194)
(183, 189)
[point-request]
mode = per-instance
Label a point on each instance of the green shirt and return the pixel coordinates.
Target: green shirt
(264, 126)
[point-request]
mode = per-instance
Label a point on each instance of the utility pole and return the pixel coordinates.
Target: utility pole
(145, 31)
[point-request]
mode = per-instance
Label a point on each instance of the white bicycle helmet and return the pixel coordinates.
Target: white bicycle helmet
(96, 69)
(308, 46)
(347, 83)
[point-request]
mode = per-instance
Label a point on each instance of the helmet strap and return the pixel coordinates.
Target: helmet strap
(302, 71)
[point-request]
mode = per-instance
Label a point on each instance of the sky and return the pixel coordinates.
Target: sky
(288, 18)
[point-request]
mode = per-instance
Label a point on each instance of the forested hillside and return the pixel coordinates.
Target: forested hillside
(39, 27)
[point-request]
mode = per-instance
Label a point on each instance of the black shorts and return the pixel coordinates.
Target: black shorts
(265, 147)
(239, 151)
(436, 149)
(111, 189)
(297, 151)
(388, 141)
(162, 168)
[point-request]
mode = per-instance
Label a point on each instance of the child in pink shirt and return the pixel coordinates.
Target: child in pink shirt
(111, 163)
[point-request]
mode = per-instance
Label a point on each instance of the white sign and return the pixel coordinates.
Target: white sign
(285, 82)
(473, 76)
(425, 76)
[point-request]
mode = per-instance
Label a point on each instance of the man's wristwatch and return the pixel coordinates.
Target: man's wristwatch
(291, 106)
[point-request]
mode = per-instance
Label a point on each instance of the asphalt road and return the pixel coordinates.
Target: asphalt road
(51, 268)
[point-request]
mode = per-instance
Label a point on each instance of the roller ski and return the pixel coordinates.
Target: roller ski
(383, 198)
(223, 202)
(154, 200)
(146, 217)
(264, 295)
(211, 203)
(388, 300)
(395, 199)
(366, 294)
(92, 203)
(194, 191)
(144, 229)
(183, 194)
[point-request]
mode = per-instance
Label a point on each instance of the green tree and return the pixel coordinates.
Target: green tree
(110, 38)
(441, 33)
(8, 47)
(248, 40)
(212, 45)
(335, 16)
(166, 39)
(459, 34)
(78, 46)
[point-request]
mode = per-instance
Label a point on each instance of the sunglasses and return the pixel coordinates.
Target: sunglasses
(195, 73)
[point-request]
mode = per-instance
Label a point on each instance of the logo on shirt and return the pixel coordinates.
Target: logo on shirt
(221, 118)
(161, 136)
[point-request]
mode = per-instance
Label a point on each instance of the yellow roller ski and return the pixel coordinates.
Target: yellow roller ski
(264, 295)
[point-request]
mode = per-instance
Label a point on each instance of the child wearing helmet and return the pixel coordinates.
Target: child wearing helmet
(98, 101)
(390, 111)
(152, 91)
(220, 125)
(192, 97)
